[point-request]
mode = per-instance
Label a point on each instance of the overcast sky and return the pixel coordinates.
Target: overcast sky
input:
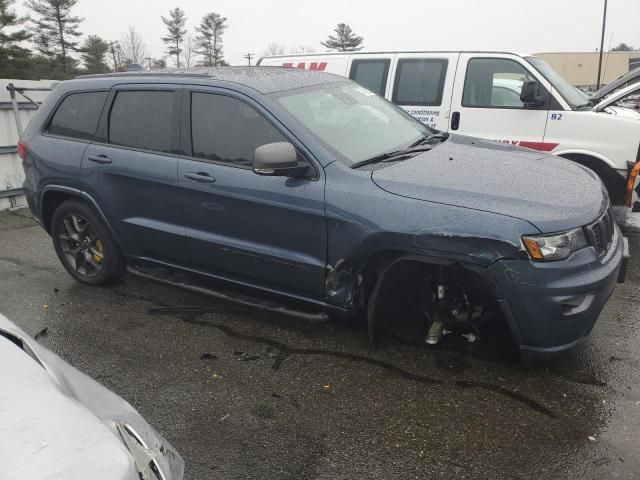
(515, 25)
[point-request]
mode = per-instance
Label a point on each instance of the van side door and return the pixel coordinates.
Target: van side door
(422, 84)
(372, 71)
(268, 231)
(486, 100)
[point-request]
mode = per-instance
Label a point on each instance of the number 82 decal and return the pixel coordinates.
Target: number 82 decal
(556, 116)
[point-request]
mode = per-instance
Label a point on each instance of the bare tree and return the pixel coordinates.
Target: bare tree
(273, 48)
(132, 47)
(302, 49)
(188, 49)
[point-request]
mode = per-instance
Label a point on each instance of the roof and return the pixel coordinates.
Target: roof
(261, 79)
(389, 52)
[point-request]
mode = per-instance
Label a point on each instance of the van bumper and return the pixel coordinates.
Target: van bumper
(551, 307)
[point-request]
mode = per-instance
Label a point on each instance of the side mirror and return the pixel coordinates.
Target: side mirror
(278, 159)
(529, 94)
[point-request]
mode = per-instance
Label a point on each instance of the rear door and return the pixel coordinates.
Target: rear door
(486, 100)
(260, 230)
(422, 85)
(131, 170)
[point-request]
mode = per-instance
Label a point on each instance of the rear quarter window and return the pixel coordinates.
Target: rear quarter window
(77, 115)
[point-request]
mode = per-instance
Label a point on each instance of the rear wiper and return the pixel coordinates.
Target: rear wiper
(393, 156)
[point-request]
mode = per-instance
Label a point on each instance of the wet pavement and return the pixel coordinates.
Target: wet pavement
(249, 395)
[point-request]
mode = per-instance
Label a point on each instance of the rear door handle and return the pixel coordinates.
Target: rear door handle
(102, 159)
(455, 120)
(200, 177)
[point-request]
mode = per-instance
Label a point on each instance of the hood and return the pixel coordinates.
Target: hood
(617, 96)
(629, 77)
(551, 193)
(60, 424)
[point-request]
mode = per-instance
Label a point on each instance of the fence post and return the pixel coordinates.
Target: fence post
(14, 104)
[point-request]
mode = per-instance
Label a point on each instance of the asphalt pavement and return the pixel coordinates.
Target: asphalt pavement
(244, 394)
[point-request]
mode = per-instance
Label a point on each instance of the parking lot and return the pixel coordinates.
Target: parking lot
(244, 394)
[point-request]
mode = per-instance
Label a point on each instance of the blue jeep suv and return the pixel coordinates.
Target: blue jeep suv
(311, 187)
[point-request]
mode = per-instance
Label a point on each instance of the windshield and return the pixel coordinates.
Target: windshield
(352, 121)
(574, 96)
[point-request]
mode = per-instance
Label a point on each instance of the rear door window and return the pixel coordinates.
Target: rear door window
(371, 73)
(225, 129)
(419, 81)
(77, 115)
(142, 119)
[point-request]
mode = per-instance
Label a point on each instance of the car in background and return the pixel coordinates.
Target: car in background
(58, 423)
(501, 96)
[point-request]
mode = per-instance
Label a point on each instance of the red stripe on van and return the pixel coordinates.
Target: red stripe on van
(542, 146)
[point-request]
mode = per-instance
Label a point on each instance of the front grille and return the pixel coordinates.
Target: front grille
(600, 232)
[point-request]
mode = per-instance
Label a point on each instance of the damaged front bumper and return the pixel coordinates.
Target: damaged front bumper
(60, 423)
(551, 307)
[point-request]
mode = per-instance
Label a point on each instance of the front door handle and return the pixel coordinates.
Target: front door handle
(200, 177)
(101, 159)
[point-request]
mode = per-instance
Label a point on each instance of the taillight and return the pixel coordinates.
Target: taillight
(22, 149)
(631, 182)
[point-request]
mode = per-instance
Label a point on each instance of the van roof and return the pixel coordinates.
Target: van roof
(261, 79)
(388, 52)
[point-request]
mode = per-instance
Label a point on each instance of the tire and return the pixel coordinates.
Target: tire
(84, 246)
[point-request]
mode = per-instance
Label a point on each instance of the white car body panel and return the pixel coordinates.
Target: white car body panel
(59, 424)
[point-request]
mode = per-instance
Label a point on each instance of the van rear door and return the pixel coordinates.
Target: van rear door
(486, 100)
(422, 84)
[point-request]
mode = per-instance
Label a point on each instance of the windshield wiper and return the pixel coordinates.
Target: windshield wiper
(394, 156)
(442, 136)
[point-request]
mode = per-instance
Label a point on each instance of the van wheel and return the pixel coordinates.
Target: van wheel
(84, 246)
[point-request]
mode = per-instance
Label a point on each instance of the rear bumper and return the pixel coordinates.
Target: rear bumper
(552, 307)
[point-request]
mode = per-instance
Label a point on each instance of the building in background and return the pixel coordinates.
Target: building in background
(581, 68)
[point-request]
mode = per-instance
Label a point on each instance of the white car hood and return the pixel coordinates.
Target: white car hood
(59, 424)
(611, 99)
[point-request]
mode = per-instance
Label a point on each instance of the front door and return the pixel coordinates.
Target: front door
(261, 230)
(486, 101)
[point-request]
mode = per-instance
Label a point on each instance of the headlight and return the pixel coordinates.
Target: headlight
(555, 247)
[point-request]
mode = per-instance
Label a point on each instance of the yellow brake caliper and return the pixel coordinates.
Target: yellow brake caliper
(97, 254)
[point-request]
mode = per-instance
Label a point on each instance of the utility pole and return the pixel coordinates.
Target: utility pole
(604, 23)
(113, 54)
(249, 56)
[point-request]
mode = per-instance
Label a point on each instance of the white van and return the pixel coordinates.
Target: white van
(506, 97)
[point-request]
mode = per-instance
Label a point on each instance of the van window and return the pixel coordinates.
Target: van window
(225, 129)
(371, 73)
(142, 119)
(78, 115)
(494, 83)
(419, 81)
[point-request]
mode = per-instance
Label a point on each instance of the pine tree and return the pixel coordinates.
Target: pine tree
(94, 54)
(57, 30)
(208, 41)
(175, 25)
(12, 56)
(344, 40)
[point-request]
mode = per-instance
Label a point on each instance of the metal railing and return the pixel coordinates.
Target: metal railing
(17, 106)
